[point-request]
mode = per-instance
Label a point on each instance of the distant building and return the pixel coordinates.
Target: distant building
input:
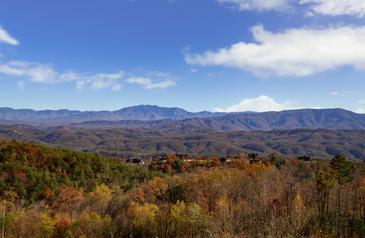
(135, 161)
(254, 158)
(223, 159)
(304, 158)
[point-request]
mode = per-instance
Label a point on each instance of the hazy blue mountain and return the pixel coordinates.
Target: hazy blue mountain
(147, 116)
(142, 113)
(292, 119)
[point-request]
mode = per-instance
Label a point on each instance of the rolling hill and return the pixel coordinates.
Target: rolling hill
(320, 143)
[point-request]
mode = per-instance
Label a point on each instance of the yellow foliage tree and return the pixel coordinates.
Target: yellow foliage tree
(144, 218)
(99, 199)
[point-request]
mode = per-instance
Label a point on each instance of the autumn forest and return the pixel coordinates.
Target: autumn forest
(51, 192)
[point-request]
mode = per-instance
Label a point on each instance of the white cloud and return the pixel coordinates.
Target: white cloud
(7, 38)
(260, 5)
(34, 72)
(149, 84)
(312, 7)
(260, 104)
(336, 7)
(104, 80)
(42, 73)
(360, 111)
(297, 51)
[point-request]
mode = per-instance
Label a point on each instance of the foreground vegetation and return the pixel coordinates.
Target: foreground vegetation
(58, 193)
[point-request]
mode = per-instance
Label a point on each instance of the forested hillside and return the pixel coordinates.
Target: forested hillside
(143, 142)
(50, 192)
(36, 172)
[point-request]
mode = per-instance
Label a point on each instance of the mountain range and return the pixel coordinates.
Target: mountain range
(154, 117)
(141, 112)
(284, 120)
(145, 130)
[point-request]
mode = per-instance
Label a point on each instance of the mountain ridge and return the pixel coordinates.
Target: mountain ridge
(63, 116)
(265, 121)
(151, 116)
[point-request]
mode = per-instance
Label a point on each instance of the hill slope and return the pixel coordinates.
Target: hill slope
(33, 170)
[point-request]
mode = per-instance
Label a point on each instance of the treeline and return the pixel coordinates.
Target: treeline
(85, 195)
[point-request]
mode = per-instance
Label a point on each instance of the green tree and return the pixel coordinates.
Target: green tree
(342, 171)
(178, 165)
(324, 183)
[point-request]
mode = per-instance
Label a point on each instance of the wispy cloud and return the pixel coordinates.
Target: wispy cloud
(297, 51)
(265, 5)
(7, 38)
(33, 72)
(46, 74)
(149, 84)
(260, 104)
(335, 7)
(310, 7)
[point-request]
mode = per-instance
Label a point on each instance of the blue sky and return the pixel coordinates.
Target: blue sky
(224, 55)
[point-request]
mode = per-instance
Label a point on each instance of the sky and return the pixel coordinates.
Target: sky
(215, 55)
